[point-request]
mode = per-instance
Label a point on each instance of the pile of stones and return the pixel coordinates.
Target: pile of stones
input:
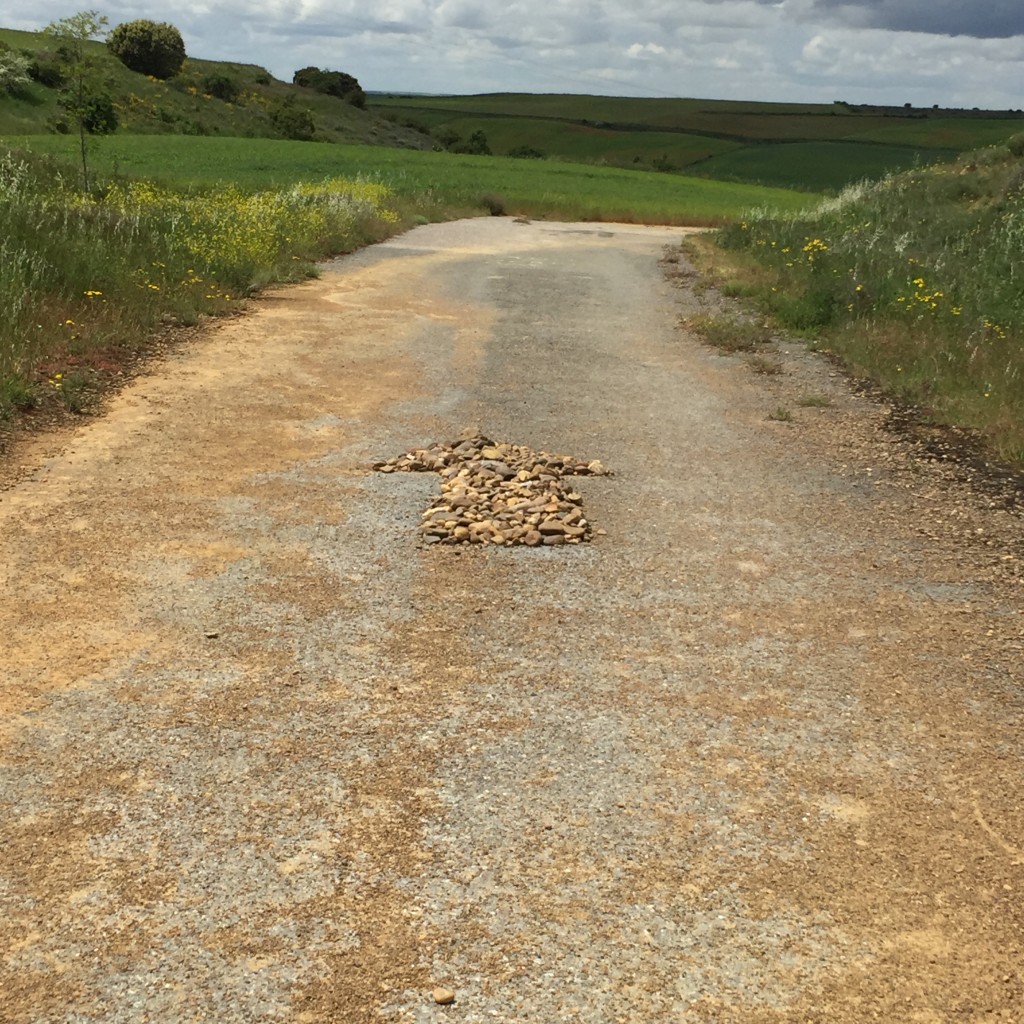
(499, 493)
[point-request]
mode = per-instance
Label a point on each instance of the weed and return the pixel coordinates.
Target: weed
(729, 334)
(493, 204)
(75, 390)
(780, 414)
(814, 401)
(764, 365)
(17, 395)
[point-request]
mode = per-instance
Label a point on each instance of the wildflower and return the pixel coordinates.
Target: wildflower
(91, 294)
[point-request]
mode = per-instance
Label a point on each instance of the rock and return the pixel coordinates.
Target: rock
(502, 493)
(443, 996)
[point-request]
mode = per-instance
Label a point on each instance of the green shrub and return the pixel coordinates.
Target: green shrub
(99, 116)
(149, 47)
(331, 83)
(46, 72)
(291, 121)
(14, 74)
(224, 87)
(476, 145)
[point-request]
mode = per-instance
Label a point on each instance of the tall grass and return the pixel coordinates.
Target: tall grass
(916, 280)
(85, 277)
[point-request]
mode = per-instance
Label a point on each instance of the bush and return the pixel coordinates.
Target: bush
(99, 116)
(223, 87)
(149, 47)
(14, 74)
(292, 122)
(331, 83)
(526, 153)
(476, 144)
(46, 72)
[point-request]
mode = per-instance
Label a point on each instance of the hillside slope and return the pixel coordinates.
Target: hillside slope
(187, 104)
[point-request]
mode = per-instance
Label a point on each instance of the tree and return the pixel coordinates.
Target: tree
(331, 83)
(83, 97)
(14, 74)
(149, 47)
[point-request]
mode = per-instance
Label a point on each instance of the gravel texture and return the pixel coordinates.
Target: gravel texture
(753, 754)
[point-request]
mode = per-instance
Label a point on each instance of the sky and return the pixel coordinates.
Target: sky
(963, 53)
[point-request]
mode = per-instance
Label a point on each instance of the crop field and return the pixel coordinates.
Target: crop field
(586, 144)
(820, 166)
(805, 146)
(433, 184)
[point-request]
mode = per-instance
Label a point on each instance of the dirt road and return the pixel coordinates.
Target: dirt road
(753, 755)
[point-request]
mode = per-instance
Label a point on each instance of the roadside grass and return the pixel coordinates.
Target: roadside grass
(814, 402)
(766, 366)
(728, 333)
(914, 281)
(84, 280)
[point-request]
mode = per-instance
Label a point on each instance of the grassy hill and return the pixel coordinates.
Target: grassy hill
(811, 146)
(184, 105)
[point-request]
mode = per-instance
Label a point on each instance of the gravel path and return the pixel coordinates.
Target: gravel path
(752, 754)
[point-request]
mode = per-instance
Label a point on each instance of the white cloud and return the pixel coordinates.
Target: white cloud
(641, 50)
(807, 50)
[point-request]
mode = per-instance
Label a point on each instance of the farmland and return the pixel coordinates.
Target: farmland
(808, 146)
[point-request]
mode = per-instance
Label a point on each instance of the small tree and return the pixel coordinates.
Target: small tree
(14, 74)
(149, 47)
(83, 97)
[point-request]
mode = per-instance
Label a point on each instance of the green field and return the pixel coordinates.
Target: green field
(808, 146)
(817, 165)
(435, 184)
(581, 143)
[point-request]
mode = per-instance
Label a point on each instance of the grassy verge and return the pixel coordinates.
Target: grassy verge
(85, 279)
(916, 281)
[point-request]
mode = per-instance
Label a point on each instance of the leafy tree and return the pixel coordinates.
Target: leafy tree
(83, 97)
(14, 74)
(331, 83)
(149, 47)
